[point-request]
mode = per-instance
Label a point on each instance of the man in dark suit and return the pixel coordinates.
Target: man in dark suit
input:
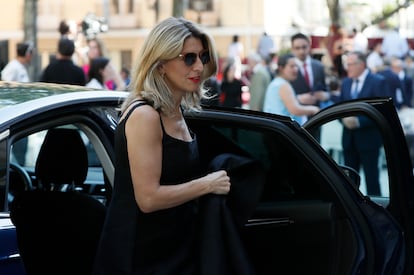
(395, 85)
(397, 66)
(310, 84)
(361, 140)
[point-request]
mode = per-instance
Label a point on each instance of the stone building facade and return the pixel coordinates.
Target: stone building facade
(129, 21)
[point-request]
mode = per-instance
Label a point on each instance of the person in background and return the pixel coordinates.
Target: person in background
(271, 64)
(151, 220)
(341, 46)
(231, 86)
(63, 70)
(68, 29)
(398, 67)
(235, 51)
(99, 72)
(126, 76)
(359, 41)
(375, 61)
(280, 97)
(266, 46)
(361, 141)
(409, 70)
(16, 69)
(310, 83)
(259, 80)
(95, 49)
(393, 83)
(394, 45)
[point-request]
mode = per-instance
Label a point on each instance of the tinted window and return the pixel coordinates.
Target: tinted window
(289, 175)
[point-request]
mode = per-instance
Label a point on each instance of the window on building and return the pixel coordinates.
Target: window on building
(201, 5)
(122, 7)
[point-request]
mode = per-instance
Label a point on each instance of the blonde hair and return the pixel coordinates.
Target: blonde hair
(165, 42)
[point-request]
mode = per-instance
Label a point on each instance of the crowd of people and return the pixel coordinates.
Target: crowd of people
(295, 84)
(72, 64)
(302, 84)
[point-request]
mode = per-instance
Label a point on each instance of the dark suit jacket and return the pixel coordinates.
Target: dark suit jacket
(63, 72)
(222, 217)
(366, 136)
(318, 71)
(407, 85)
(394, 84)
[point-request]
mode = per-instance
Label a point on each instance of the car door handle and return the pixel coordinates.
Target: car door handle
(269, 222)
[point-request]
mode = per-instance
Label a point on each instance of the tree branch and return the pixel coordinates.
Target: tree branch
(388, 14)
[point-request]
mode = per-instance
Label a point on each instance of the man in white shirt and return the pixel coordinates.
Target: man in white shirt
(360, 41)
(16, 69)
(375, 62)
(266, 46)
(394, 45)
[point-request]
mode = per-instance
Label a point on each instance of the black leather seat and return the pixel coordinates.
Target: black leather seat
(58, 232)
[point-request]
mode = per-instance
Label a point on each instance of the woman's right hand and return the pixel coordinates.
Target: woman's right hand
(219, 182)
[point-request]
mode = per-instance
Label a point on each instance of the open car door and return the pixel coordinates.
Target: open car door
(395, 170)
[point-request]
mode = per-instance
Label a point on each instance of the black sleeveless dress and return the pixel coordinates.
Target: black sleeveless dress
(161, 242)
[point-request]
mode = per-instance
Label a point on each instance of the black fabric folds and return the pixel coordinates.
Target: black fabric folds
(222, 217)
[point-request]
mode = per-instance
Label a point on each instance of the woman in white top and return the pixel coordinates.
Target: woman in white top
(280, 98)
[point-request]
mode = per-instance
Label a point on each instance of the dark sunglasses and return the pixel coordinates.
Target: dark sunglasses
(191, 58)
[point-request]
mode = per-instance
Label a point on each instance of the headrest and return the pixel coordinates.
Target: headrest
(62, 159)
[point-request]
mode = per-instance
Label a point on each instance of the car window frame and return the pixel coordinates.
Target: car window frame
(400, 172)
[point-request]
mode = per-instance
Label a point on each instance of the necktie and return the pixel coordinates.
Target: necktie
(354, 93)
(306, 75)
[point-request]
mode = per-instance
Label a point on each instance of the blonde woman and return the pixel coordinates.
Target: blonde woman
(150, 227)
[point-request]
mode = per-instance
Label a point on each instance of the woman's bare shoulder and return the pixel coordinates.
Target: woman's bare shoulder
(144, 114)
(135, 111)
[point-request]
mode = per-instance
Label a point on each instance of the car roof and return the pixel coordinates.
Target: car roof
(19, 101)
(12, 93)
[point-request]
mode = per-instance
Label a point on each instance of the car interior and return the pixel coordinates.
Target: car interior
(57, 202)
(84, 168)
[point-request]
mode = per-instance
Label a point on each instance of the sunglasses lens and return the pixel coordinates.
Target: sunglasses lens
(205, 57)
(190, 59)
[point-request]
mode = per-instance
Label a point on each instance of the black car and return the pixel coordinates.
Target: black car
(313, 216)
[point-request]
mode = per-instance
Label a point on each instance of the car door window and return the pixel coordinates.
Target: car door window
(289, 174)
(24, 155)
(361, 149)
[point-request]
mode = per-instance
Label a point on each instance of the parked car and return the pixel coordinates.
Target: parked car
(313, 216)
